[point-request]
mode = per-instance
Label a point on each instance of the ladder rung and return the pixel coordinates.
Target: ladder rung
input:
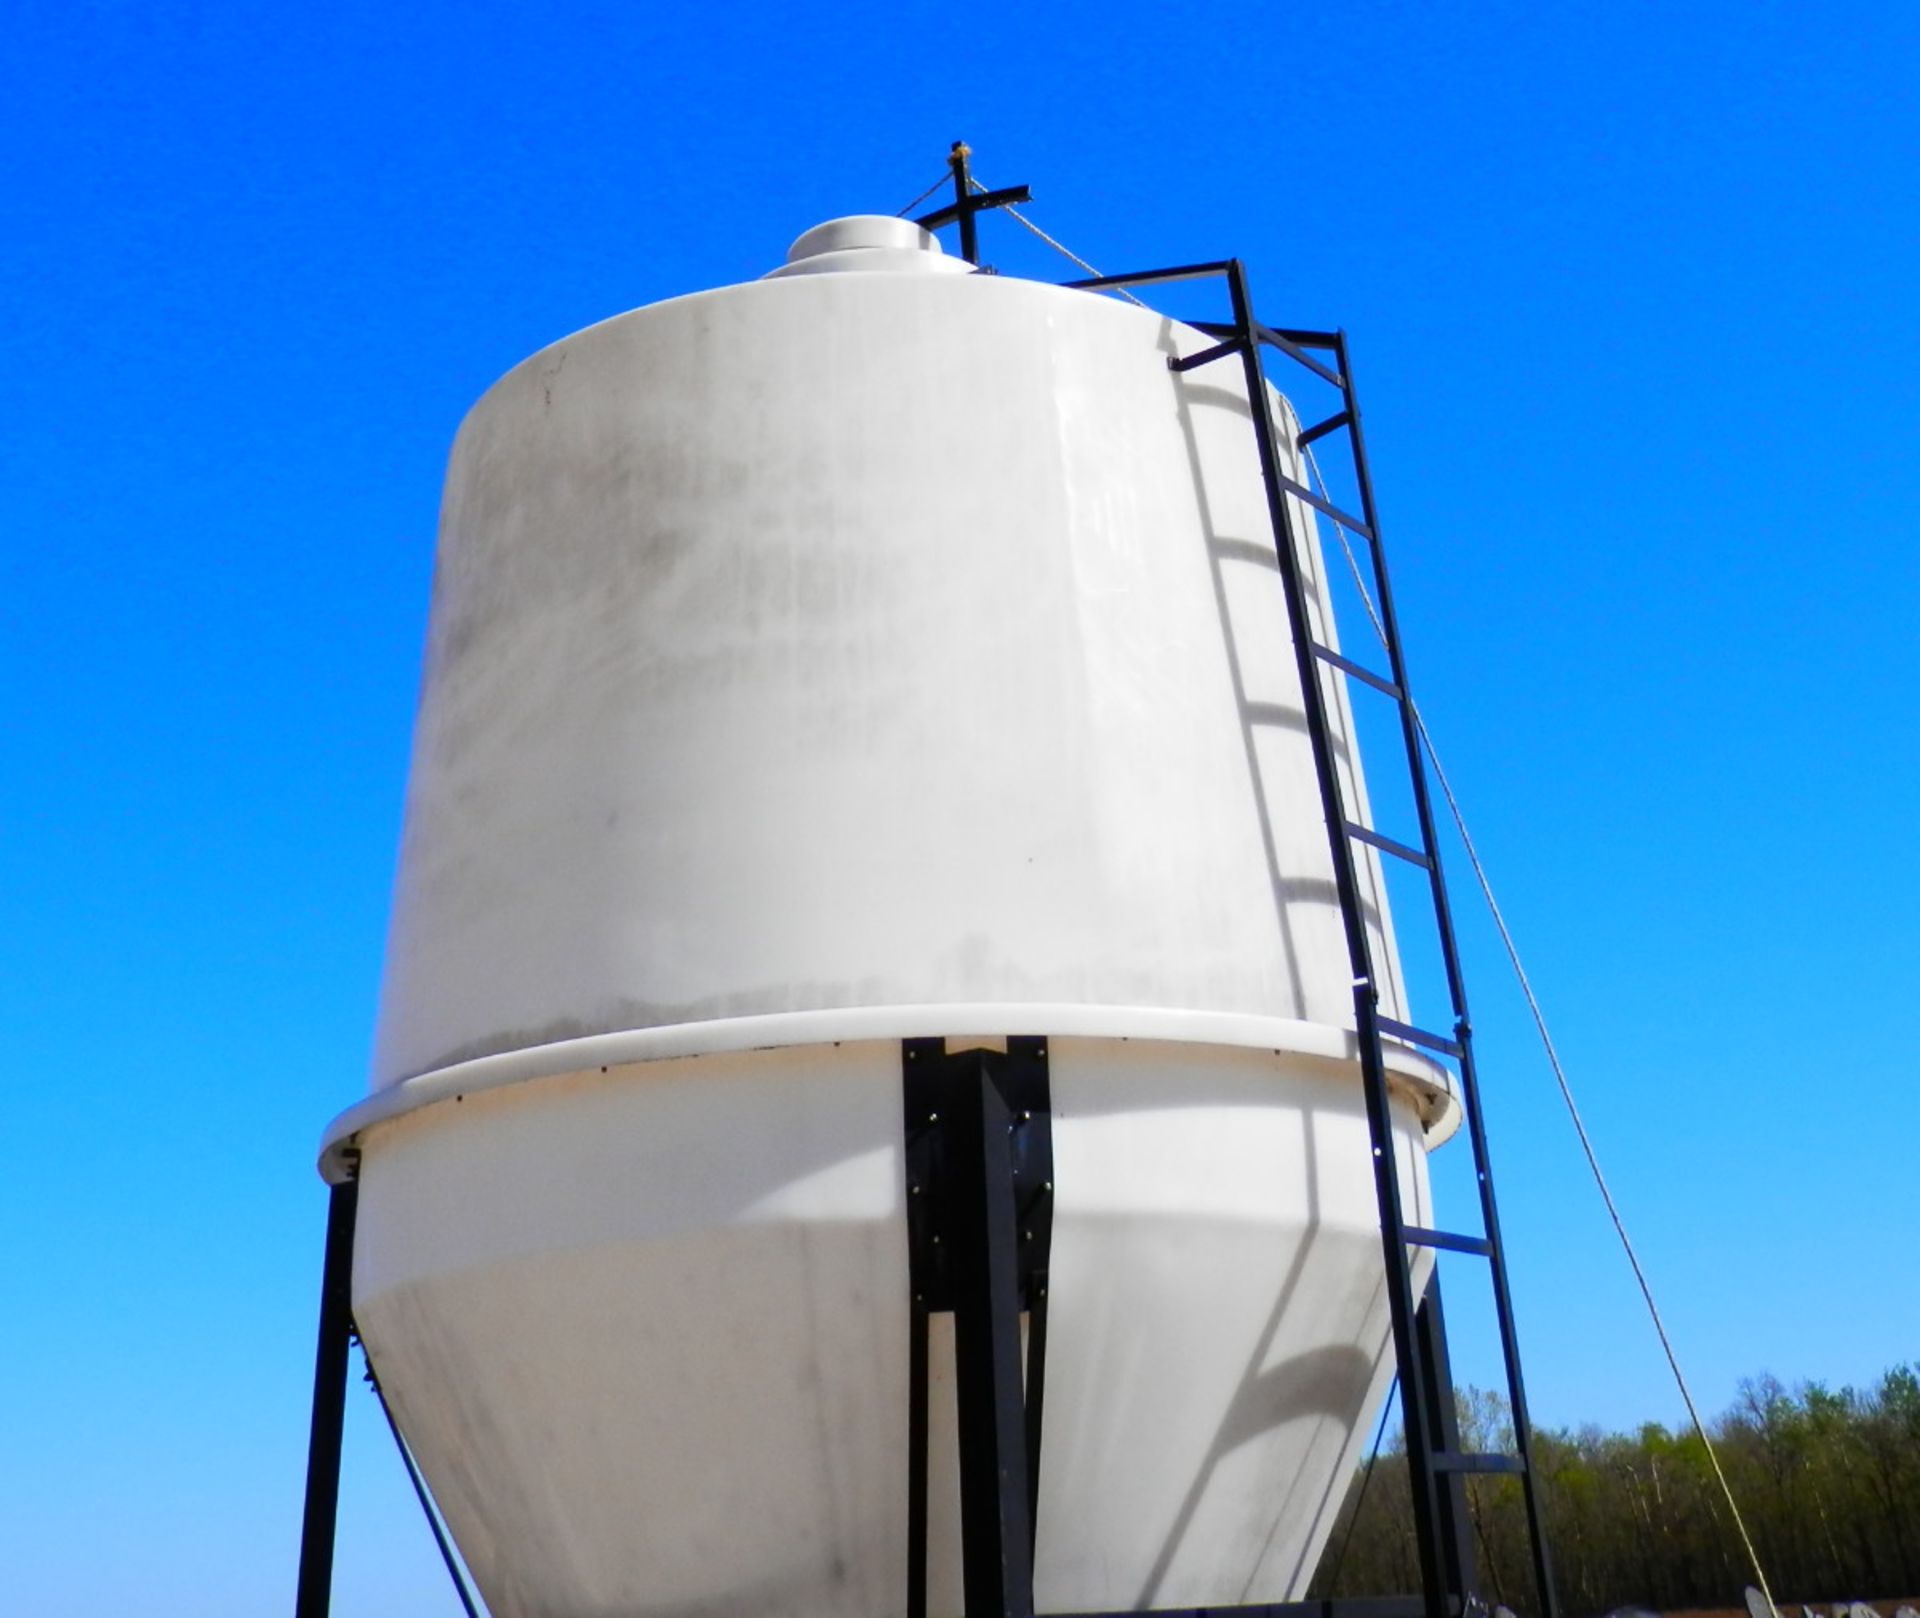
(1352, 523)
(1314, 434)
(1449, 1460)
(1294, 351)
(1312, 339)
(1420, 1236)
(1346, 665)
(1387, 845)
(1206, 356)
(1417, 1036)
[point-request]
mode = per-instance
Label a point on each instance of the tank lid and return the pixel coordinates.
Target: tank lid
(868, 242)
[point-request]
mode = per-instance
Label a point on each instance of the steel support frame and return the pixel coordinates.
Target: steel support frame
(980, 1196)
(1453, 1521)
(968, 203)
(313, 1589)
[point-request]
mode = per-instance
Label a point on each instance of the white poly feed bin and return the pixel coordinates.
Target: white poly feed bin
(875, 651)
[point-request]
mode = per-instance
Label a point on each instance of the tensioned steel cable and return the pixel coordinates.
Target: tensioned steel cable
(1366, 1477)
(943, 180)
(419, 1487)
(1059, 247)
(1553, 1057)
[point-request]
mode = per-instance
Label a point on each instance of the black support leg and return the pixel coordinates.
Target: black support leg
(917, 1461)
(315, 1590)
(995, 1534)
(1436, 1367)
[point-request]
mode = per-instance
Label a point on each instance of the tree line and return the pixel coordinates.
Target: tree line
(1828, 1484)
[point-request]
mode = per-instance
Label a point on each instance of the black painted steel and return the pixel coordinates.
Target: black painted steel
(1285, 341)
(923, 1065)
(1455, 1524)
(1206, 356)
(1300, 491)
(1457, 992)
(979, 1170)
(1388, 845)
(1151, 278)
(1294, 351)
(996, 1543)
(1036, 1398)
(1478, 1461)
(1360, 672)
(1029, 1093)
(1311, 339)
(314, 1589)
(1366, 998)
(1419, 1036)
(1421, 1237)
(1319, 430)
(963, 204)
(1432, 1445)
(917, 1461)
(978, 202)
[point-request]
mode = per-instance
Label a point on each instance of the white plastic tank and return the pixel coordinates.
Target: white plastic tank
(876, 650)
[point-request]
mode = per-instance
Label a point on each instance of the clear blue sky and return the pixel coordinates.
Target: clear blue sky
(1632, 289)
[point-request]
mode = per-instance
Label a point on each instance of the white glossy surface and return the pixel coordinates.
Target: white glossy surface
(647, 1331)
(856, 641)
(869, 242)
(1428, 1086)
(849, 657)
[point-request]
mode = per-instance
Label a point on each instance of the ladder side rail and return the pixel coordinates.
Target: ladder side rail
(1399, 1283)
(1456, 987)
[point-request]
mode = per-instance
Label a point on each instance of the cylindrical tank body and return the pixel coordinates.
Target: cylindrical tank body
(874, 651)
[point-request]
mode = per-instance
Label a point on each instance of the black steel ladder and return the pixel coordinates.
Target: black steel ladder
(1435, 1461)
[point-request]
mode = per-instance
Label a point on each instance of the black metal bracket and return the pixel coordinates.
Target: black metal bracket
(979, 1170)
(933, 1229)
(968, 203)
